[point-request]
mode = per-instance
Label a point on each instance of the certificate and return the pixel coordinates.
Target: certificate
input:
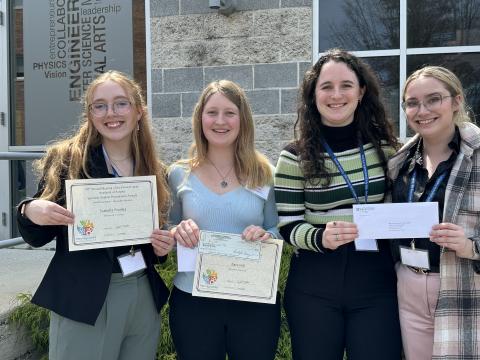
(396, 220)
(228, 245)
(111, 212)
(232, 277)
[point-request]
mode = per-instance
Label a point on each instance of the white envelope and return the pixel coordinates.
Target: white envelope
(395, 220)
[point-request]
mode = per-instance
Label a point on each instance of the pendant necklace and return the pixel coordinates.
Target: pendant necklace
(224, 182)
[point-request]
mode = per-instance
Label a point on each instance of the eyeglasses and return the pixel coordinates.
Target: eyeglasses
(430, 103)
(119, 107)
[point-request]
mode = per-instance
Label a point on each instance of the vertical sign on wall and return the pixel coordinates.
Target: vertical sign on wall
(67, 43)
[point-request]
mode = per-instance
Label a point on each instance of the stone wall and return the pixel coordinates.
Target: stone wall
(265, 46)
(15, 343)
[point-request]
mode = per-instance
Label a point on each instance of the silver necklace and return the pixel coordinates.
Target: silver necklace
(224, 182)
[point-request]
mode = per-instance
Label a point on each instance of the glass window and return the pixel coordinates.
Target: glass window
(359, 25)
(443, 23)
(465, 65)
(19, 65)
(387, 70)
(17, 131)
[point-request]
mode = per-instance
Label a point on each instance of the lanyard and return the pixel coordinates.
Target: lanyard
(115, 172)
(344, 174)
(436, 185)
(411, 190)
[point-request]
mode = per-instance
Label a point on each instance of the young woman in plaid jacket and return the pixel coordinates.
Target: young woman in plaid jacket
(439, 304)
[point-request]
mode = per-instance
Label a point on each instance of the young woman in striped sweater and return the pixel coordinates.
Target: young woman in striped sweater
(338, 297)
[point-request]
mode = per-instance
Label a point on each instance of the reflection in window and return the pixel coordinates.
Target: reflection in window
(19, 65)
(433, 23)
(465, 65)
(17, 72)
(387, 70)
(359, 25)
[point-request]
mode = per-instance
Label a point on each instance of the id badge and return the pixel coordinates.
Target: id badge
(131, 263)
(366, 245)
(414, 257)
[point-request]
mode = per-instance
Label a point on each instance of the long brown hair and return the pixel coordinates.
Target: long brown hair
(252, 168)
(70, 156)
(370, 115)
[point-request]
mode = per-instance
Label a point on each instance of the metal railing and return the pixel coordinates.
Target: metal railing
(11, 242)
(13, 155)
(16, 155)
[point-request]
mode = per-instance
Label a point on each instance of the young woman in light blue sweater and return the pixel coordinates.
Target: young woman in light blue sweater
(216, 189)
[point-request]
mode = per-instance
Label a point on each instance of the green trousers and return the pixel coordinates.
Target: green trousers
(128, 326)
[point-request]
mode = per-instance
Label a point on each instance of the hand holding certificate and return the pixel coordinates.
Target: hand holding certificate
(111, 212)
(395, 221)
(229, 267)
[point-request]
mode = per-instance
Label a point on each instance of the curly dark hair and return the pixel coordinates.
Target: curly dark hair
(370, 116)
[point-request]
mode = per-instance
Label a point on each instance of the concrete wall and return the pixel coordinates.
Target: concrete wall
(15, 344)
(265, 46)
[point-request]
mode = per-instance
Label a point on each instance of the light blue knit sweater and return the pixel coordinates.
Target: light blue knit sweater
(231, 212)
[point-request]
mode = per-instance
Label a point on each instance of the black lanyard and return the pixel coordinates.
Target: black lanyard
(344, 174)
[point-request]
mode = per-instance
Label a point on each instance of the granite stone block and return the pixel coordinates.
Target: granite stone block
(183, 79)
(188, 103)
(275, 75)
(164, 7)
(241, 74)
(289, 100)
(165, 105)
(264, 101)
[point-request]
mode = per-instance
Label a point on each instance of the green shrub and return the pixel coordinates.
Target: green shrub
(36, 319)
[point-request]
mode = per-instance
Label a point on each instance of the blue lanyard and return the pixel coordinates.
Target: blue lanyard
(344, 174)
(115, 172)
(436, 185)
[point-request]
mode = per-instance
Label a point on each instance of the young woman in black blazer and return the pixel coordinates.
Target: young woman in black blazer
(97, 313)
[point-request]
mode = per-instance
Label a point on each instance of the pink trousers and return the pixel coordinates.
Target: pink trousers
(417, 300)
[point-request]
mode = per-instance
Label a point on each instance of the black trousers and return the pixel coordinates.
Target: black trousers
(323, 328)
(208, 329)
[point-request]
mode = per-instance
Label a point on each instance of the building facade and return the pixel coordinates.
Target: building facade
(265, 46)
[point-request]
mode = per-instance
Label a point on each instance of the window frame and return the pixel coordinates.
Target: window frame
(403, 52)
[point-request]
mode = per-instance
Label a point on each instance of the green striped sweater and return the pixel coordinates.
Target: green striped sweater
(311, 206)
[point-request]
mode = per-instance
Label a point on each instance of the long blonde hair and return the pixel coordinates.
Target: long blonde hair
(252, 168)
(69, 157)
(451, 82)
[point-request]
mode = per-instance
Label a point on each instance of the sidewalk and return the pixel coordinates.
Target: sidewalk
(21, 270)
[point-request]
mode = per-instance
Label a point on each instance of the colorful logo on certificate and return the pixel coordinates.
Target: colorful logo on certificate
(86, 227)
(210, 277)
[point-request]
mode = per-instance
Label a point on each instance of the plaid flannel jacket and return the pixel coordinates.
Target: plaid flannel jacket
(457, 316)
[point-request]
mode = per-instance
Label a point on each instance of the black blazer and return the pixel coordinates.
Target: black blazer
(76, 283)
